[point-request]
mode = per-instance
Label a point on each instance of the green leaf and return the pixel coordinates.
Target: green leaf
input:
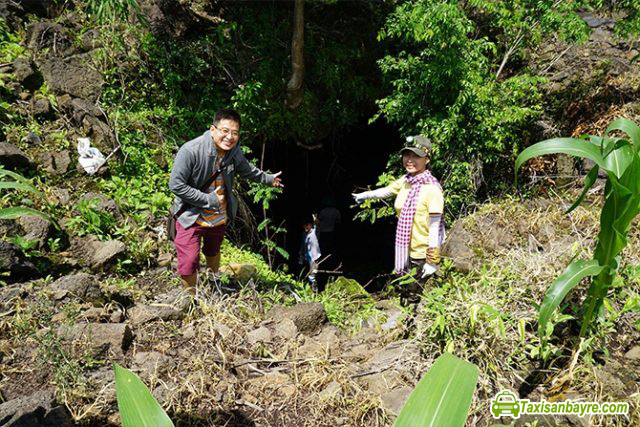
(282, 252)
(619, 159)
(443, 395)
(17, 212)
(589, 180)
(575, 272)
(14, 175)
(571, 146)
(18, 186)
(628, 127)
(138, 408)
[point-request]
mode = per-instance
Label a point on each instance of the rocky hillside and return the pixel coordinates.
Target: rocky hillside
(95, 284)
(275, 356)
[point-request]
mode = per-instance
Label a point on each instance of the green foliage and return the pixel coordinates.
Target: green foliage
(138, 407)
(111, 11)
(619, 157)
(346, 303)
(146, 194)
(442, 81)
(10, 47)
(443, 396)
(18, 183)
(90, 219)
(233, 254)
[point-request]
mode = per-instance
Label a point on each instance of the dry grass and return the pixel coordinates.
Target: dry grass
(205, 372)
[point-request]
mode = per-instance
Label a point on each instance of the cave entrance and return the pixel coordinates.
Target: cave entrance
(341, 164)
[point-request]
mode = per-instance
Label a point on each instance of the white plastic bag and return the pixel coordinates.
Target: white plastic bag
(90, 157)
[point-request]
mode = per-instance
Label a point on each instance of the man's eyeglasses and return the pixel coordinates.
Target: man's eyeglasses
(225, 132)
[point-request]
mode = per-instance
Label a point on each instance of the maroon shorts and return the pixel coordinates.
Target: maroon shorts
(188, 241)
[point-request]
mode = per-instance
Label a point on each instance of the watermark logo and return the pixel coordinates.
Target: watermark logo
(506, 403)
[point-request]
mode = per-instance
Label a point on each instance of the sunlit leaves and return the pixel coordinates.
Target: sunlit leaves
(619, 158)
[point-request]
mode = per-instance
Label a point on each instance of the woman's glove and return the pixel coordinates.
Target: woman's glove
(358, 197)
(433, 255)
(428, 270)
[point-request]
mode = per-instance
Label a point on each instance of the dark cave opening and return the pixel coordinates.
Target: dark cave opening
(346, 162)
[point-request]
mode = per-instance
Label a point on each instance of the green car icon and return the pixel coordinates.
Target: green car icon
(505, 403)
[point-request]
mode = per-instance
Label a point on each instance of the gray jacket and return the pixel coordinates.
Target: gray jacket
(193, 167)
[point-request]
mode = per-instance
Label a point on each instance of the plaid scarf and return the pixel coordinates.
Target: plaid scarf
(405, 220)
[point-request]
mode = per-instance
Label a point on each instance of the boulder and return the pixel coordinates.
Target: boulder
(81, 107)
(24, 72)
(102, 137)
(178, 298)
(9, 294)
(633, 354)
(262, 334)
(73, 75)
(37, 409)
(36, 228)
(94, 253)
(148, 363)
(394, 400)
(40, 107)
(80, 285)
(47, 35)
(13, 261)
(91, 40)
(456, 247)
(32, 139)
(312, 349)
(11, 157)
(401, 356)
(60, 196)
(9, 227)
(107, 338)
(285, 330)
(222, 330)
(381, 382)
(145, 313)
(54, 163)
(308, 317)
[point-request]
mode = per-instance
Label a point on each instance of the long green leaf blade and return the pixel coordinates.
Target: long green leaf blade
(18, 186)
(628, 127)
(571, 146)
(575, 272)
(619, 159)
(589, 180)
(443, 395)
(13, 175)
(18, 211)
(138, 407)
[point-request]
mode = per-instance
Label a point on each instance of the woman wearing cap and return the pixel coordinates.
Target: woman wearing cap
(419, 204)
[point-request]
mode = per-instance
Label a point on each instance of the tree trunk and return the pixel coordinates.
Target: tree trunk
(294, 86)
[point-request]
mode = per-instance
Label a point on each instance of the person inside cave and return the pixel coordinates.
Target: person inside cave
(309, 252)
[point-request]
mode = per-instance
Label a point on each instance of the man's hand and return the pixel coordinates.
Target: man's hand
(277, 182)
(219, 194)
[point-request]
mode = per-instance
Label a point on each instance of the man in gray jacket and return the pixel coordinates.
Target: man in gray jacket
(203, 214)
